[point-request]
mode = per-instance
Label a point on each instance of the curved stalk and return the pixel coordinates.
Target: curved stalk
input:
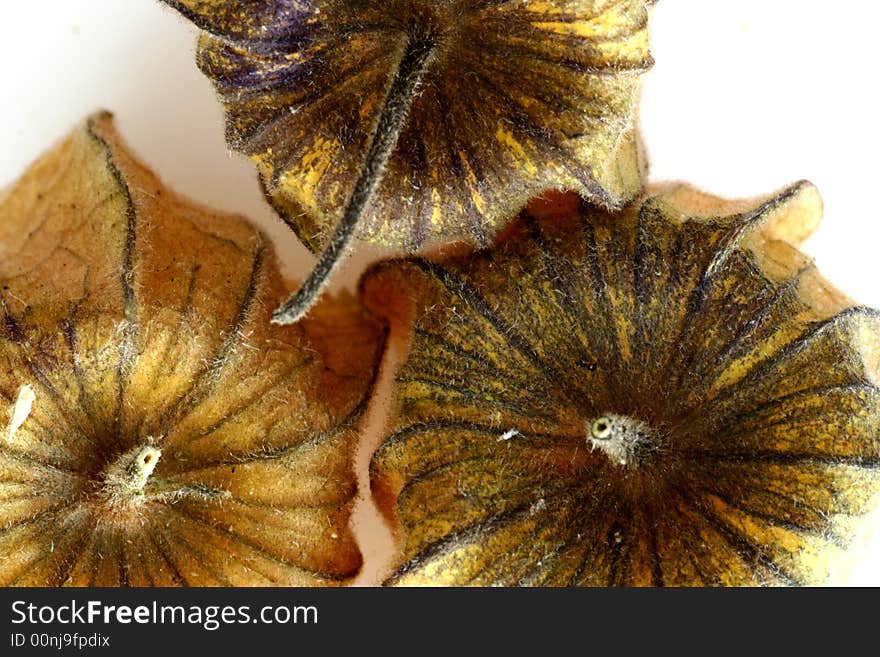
(416, 58)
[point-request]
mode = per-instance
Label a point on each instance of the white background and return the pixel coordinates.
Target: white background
(745, 98)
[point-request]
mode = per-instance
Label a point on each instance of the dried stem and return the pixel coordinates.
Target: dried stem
(415, 61)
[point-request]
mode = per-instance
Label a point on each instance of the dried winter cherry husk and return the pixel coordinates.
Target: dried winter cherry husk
(410, 121)
(157, 429)
(669, 395)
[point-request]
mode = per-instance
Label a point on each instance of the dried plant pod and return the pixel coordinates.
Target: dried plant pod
(157, 429)
(412, 121)
(671, 395)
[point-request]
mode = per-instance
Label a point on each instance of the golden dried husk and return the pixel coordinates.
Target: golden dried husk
(156, 428)
(743, 386)
(520, 97)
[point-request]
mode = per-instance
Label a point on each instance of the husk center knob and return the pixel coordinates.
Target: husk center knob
(625, 440)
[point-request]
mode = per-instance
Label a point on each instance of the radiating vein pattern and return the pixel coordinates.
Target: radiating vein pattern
(520, 97)
(156, 429)
(668, 395)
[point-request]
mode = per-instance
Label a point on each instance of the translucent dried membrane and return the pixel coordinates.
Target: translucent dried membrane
(519, 97)
(670, 395)
(157, 430)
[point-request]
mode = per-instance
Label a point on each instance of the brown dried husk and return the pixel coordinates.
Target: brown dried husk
(694, 317)
(520, 97)
(138, 326)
